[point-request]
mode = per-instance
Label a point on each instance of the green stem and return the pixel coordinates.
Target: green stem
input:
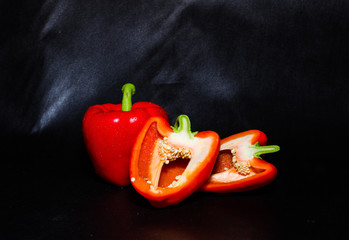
(182, 125)
(259, 150)
(128, 90)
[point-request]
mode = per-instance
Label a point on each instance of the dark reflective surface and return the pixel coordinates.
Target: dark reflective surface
(51, 192)
(230, 65)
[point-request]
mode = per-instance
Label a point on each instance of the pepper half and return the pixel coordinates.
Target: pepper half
(239, 166)
(169, 164)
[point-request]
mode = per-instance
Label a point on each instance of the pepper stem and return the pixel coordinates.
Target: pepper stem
(128, 90)
(259, 150)
(182, 125)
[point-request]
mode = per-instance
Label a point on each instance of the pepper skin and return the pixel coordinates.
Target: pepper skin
(168, 165)
(110, 132)
(247, 170)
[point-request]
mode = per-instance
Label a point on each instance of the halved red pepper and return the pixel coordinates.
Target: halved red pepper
(239, 166)
(169, 164)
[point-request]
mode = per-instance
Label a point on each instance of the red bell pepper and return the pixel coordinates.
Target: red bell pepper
(168, 165)
(110, 132)
(239, 166)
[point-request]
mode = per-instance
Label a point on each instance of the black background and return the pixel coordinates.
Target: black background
(277, 66)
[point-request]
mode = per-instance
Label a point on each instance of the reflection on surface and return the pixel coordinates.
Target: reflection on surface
(124, 214)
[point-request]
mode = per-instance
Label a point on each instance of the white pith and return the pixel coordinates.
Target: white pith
(241, 145)
(198, 150)
(243, 154)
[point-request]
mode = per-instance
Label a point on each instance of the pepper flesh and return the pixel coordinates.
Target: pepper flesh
(164, 179)
(239, 166)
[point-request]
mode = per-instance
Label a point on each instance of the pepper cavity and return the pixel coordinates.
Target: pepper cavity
(173, 160)
(227, 160)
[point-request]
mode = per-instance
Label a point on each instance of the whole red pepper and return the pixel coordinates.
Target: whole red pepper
(239, 166)
(168, 165)
(110, 132)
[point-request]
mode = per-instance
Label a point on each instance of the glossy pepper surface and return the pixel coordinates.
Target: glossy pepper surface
(239, 166)
(110, 131)
(169, 164)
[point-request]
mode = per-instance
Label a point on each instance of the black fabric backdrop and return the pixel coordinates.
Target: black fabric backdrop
(277, 66)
